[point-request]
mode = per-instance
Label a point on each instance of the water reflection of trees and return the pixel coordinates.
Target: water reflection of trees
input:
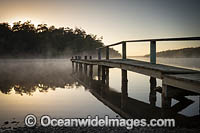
(28, 76)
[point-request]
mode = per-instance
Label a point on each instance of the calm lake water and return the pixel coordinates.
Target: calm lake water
(49, 87)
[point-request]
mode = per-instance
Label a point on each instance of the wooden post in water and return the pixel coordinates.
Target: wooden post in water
(80, 67)
(99, 72)
(152, 94)
(90, 57)
(99, 54)
(107, 76)
(85, 66)
(103, 75)
(85, 69)
(166, 99)
(124, 50)
(124, 88)
(72, 67)
(90, 75)
(153, 52)
(76, 67)
(103, 81)
(91, 71)
(107, 53)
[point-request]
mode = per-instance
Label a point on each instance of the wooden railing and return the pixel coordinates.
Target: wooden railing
(152, 46)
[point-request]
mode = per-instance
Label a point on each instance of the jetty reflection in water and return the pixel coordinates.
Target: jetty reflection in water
(129, 107)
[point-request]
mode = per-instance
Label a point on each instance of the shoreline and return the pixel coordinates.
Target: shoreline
(101, 129)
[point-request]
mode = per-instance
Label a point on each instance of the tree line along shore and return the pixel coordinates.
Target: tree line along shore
(24, 40)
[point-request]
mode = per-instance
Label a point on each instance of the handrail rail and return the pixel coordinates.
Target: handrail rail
(152, 46)
(160, 39)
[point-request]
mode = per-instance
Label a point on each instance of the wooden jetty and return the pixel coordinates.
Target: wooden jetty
(182, 78)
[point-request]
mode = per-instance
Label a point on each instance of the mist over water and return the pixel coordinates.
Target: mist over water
(29, 73)
(46, 86)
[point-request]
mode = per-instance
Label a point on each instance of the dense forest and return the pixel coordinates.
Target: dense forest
(180, 53)
(24, 40)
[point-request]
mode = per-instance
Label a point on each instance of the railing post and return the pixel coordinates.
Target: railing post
(124, 50)
(99, 54)
(153, 52)
(107, 53)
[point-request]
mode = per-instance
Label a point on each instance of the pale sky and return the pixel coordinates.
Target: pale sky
(115, 20)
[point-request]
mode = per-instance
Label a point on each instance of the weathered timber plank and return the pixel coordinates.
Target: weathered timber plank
(190, 82)
(165, 69)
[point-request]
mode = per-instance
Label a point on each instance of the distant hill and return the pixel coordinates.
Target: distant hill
(180, 53)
